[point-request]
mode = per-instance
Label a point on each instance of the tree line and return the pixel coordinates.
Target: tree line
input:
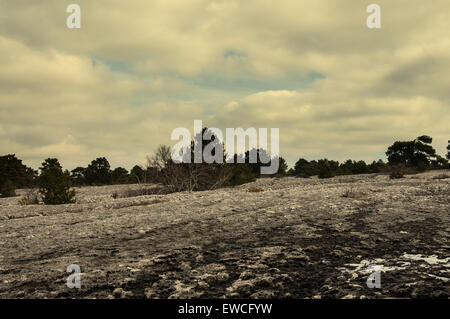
(403, 156)
(55, 184)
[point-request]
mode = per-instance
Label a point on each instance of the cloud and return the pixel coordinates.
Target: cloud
(135, 71)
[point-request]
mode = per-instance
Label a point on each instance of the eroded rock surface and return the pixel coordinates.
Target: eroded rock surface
(298, 238)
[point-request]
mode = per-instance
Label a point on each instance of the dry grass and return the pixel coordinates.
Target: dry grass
(160, 190)
(255, 189)
(143, 203)
(441, 176)
(350, 193)
(191, 238)
(31, 197)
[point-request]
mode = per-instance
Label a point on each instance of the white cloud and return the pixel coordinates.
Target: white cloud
(377, 86)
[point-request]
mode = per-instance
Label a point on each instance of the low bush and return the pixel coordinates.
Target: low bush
(54, 184)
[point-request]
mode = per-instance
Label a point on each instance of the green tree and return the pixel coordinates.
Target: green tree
(300, 167)
(8, 189)
(138, 174)
(262, 159)
(98, 172)
(327, 168)
(439, 163)
(188, 175)
(242, 173)
(78, 176)
(360, 167)
(120, 176)
(376, 166)
(347, 167)
(416, 153)
(54, 184)
(12, 169)
(303, 168)
(282, 166)
(50, 163)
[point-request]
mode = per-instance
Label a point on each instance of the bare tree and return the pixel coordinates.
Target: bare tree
(187, 176)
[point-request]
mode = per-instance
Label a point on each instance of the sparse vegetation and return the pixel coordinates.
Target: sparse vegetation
(404, 158)
(188, 175)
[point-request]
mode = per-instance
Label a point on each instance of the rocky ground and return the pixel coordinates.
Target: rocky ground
(281, 238)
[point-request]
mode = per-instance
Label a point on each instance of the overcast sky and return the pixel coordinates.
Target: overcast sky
(137, 69)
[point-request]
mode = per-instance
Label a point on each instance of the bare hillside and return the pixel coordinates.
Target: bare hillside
(282, 238)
